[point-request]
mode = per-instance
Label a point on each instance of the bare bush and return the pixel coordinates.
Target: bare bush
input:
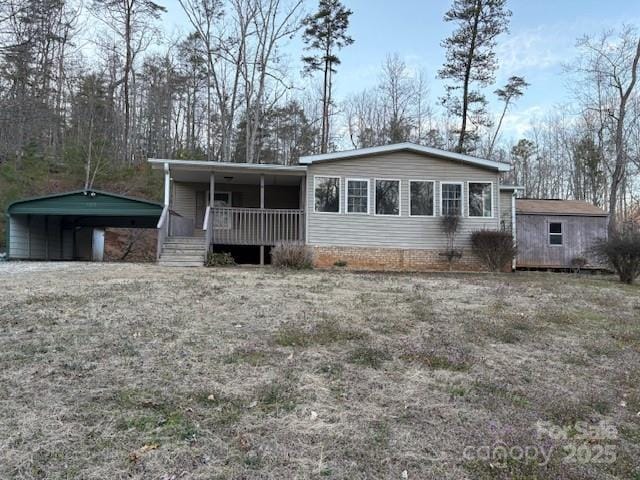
(494, 248)
(621, 251)
(219, 259)
(292, 255)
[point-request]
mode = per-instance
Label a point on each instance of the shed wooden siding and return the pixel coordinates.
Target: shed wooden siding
(578, 235)
(242, 195)
(506, 209)
(404, 231)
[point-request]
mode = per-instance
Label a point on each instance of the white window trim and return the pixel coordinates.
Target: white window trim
(315, 181)
(446, 182)
(433, 190)
(561, 234)
(493, 214)
(375, 200)
(219, 192)
(346, 195)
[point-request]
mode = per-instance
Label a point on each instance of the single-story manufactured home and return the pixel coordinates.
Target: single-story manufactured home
(558, 233)
(372, 208)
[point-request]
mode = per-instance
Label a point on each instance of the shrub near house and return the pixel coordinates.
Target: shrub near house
(495, 249)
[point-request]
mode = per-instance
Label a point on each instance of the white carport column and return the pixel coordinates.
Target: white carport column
(167, 184)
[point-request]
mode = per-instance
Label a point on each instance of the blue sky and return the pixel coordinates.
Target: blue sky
(542, 38)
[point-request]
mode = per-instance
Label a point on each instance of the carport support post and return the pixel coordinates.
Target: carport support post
(262, 224)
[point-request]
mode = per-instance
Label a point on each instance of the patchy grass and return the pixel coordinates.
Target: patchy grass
(324, 332)
(368, 356)
(132, 371)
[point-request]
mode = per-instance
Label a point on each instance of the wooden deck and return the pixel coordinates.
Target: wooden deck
(255, 226)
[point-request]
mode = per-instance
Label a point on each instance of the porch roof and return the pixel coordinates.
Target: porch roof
(203, 166)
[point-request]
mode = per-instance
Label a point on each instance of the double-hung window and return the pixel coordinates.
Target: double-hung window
(357, 195)
(555, 233)
(421, 198)
(387, 197)
(480, 199)
(451, 198)
(327, 194)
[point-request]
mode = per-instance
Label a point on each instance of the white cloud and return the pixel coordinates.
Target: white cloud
(535, 49)
(518, 123)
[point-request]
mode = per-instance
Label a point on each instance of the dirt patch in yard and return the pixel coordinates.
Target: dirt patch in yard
(138, 371)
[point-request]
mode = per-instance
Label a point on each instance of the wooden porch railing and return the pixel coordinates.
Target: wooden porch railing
(255, 226)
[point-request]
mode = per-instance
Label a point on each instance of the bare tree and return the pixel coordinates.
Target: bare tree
(131, 20)
(610, 64)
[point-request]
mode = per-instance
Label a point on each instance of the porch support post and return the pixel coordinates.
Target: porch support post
(212, 188)
(302, 206)
(262, 220)
(167, 184)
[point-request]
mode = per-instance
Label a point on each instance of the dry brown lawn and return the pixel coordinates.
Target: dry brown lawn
(133, 371)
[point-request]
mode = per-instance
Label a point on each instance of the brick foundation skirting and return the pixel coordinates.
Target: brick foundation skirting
(393, 259)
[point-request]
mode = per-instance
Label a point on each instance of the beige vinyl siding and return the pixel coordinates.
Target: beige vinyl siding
(506, 209)
(403, 231)
(183, 200)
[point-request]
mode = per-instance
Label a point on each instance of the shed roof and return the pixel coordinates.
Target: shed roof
(557, 207)
(86, 202)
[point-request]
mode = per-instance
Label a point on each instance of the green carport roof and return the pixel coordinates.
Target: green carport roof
(86, 202)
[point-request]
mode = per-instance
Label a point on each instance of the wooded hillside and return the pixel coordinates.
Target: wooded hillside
(90, 90)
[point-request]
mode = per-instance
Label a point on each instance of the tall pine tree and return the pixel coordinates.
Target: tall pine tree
(325, 33)
(471, 61)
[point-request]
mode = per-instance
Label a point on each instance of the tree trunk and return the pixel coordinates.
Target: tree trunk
(467, 77)
(619, 171)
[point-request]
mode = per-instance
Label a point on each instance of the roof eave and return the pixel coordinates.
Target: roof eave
(158, 163)
(363, 152)
(563, 214)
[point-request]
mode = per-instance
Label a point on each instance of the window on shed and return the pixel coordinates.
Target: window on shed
(555, 233)
(327, 192)
(357, 196)
(480, 199)
(387, 197)
(421, 198)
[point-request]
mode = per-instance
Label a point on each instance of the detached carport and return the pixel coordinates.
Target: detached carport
(70, 226)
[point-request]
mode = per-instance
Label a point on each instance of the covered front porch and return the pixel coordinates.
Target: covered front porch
(232, 204)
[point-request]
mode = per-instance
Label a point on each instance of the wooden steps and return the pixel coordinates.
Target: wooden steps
(182, 252)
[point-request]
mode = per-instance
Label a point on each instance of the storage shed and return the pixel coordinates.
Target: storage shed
(556, 233)
(70, 226)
